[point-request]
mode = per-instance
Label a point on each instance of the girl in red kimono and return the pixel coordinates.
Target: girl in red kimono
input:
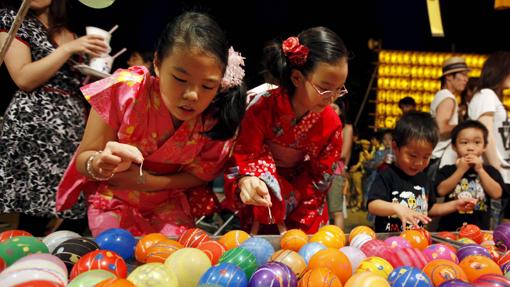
(179, 126)
(289, 142)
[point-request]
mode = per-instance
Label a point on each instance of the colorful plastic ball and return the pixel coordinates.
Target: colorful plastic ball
(90, 278)
(492, 280)
(144, 243)
(290, 258)
(54, 239)
(493, 251)
(100, 260)
(416, 238)
(70, 251)
(225, 275)
(441, 270)
(505, 268)
(375, 265)
(501, 236)
(117, 240)
(273, 274)
(115, 282)
(397, 242)
(153, 275)
(366, 279)
(376, 247)
(17, 247)
(407, 276)
(487, 236)
(242, 258)
(361, 230)
(11, 278)
(504, 258)
(408, 257)
(260, 247)
(477, 265)
(309, 249)
(3, 265)
(425, 233)
(160, 251)
(50, 262)
(334, 260)
(355, 256)
(456, 283)
(360, 239)
(471, 231)
(233, 238)
(293, 239)
(328, 239)
(472, 249)
(8, 234)
(465, 240)
(440, 251)
(193, 237)
(447, 235)
(333, 229)
(188, 264)
(39, 283)
(319, 277)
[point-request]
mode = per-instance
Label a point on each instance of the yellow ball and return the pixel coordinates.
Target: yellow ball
(328, 239)
(376, 265)
(293, 239)
(361, 229)
(366, 279)
(188, 265)
(233, 238)
(153, 275)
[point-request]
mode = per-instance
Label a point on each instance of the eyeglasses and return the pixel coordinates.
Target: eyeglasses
(328, 93)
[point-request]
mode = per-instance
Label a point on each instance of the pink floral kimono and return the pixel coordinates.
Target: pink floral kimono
(296, 158)
(130, 102)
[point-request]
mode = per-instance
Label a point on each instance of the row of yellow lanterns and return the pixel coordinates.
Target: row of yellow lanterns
(408, 84)
(427, 58)
(393, 96)
(383, 110)
(416, 71)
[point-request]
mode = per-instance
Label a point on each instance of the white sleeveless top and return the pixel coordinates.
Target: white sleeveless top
(444, 149)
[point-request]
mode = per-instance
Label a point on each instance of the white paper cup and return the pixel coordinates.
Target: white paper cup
(102, 64)
(90, 30)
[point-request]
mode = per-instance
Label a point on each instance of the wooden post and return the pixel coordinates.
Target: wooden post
(22, 12)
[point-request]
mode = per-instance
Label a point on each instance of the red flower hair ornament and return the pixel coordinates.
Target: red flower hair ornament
(295, 52)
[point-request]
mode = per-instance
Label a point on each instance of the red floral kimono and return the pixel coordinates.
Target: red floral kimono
(130, 102)
(295, 158)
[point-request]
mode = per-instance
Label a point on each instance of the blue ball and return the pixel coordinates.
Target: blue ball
(117, 240)
(309, 249)
(224, 275)
(260, 247)
(407, 276)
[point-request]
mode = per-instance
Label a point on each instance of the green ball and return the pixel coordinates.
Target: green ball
(242, 258)
(21, 246)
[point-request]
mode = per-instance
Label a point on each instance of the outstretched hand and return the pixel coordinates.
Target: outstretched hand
(254, 191)
(409, 216)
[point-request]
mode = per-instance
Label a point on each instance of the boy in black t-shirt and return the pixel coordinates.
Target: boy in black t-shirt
(469, 177)
(401, 196)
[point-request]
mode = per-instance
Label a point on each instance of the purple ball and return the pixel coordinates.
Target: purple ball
(492, 280)
(472, 249)
(502, 236)
(273, 274)
(456, 283)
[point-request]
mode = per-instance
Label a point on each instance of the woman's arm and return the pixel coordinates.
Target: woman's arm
(490, 152)
(346, 144)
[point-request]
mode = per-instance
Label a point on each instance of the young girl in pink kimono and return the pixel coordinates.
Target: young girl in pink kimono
(152, 144)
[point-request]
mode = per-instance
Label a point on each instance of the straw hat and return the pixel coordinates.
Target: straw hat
(364, 142)
(454, 65)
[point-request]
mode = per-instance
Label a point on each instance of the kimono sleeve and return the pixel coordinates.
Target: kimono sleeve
(211, 160)
(7, 19)
(113, 98)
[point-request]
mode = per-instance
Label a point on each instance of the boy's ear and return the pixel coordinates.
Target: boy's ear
(156, 64)
(296, 77)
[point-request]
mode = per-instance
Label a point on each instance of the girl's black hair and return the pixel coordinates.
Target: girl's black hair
(494, 72)
(197, 30)
(416, 125)
(324, 45)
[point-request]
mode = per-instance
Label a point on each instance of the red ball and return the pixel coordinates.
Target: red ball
(193, 237)
(447, 235)
(213, 249)
(471, 231)
(2, 264)
(39, 283)
(102, 260)
(12, 233)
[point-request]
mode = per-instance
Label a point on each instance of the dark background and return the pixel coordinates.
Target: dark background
(470, 27)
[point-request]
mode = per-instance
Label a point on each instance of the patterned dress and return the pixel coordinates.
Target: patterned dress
(296, 158)
(130, 103)
(41, 130)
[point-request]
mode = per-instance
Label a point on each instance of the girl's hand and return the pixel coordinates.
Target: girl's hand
(254, 191)
(409, 216)
(90, 44)
(116, 157)
(465, 204)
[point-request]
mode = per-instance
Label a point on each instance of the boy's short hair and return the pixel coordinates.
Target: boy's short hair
(406, 101)
(470, 124)
(416, 125)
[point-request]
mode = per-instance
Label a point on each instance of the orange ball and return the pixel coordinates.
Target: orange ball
(160, 251)
(447, 235)
(293, 239)
(361, 229)
(193, 237)
(328, 239)
(291, 259)
(333, 229)
(233, 239)
(213, 250)
(415, 238)
(487, 236)
(441, 270)
(366, 279)
(115, 282)
(144, 243)
(333, 259)
(476, 265)
(8, 234)
(471, 231)
(319, 277)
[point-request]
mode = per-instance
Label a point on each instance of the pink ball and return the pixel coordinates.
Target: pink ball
(397, 242)
(440, 251)
(355, 256)
(408, 257)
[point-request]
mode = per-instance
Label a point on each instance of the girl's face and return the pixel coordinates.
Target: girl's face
(413, 157)
(322, 87)
(188, 81)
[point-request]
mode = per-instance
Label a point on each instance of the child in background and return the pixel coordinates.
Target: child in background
(469, 178)
(402, 196)
(142, 58)
(290, 141)
(179, 125)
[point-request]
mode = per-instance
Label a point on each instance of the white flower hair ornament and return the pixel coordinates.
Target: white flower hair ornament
(234, 73)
